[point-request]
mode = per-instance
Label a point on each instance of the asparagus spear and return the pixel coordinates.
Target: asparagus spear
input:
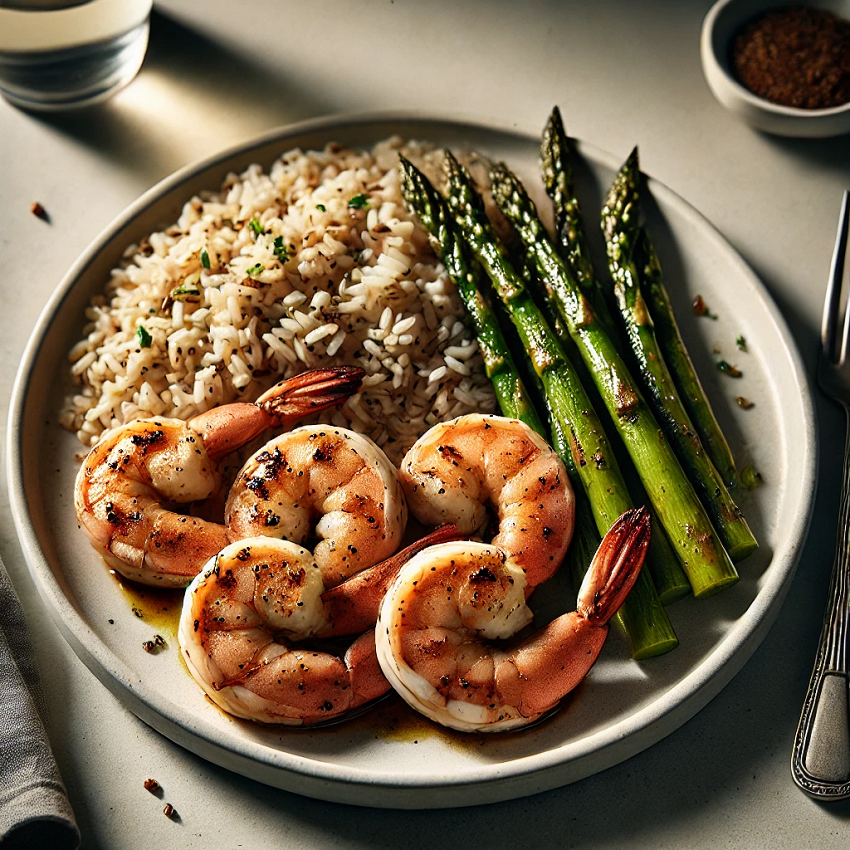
(685, 376)
(669, 579)
(556, 154)
(577, 432)
(703, 558)
(620, 228)
(511, 393)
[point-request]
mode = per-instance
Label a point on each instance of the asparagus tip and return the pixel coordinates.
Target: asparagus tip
(409, 182)
(450, 163)
(555, 125)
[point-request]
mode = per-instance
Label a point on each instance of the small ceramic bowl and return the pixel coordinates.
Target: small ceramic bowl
(719, 28)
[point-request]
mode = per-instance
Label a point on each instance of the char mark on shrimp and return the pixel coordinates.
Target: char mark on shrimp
(151, 438)
(451, 454)
(327, 488)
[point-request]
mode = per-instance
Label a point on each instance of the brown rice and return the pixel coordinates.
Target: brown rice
(316, 263)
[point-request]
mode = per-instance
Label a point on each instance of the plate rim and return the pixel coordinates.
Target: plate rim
(325, 779)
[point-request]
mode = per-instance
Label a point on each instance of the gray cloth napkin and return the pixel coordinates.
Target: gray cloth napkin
(34, 807)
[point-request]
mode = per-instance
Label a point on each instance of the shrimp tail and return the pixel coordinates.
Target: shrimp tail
(225, 429)
(365, 676)
(536, 674)
(352, 606)
(307, 393)
(615, 567)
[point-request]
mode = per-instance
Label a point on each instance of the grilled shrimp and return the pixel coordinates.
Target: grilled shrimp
(251, 591)
(130, 477)
(352, 606)
(256, 597)
(461, 470)
(446, 605)
(324, 483)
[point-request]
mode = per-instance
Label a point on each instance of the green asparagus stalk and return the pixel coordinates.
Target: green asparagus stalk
(511, 394)
(703, 558)
(669, 578)
(557, 153)
(532, 379)
(577, 433)
(620, 228)
(670, 339)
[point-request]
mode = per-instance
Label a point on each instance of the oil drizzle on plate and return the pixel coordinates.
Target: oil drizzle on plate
(158, 607)
(393, 720)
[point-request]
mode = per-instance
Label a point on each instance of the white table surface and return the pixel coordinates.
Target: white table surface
(623, 73)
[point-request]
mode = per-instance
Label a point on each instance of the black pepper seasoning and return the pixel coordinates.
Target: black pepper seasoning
(796, 56)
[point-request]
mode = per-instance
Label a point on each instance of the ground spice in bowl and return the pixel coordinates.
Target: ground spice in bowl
(795, 57)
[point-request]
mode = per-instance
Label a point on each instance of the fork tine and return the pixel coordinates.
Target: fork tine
(833, 291)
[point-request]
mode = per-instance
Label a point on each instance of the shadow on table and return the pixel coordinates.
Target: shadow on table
(831, 152)
(828, 154)
(191, 84)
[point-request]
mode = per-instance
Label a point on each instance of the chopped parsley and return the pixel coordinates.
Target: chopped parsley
(359, 202)
(321, 208)
(256, 226)
(205, 259)
(741, 343)
(145, 339)
(255, 269)
(280, 250)
(185, 292)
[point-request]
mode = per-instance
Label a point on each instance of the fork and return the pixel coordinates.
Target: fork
(820, 761)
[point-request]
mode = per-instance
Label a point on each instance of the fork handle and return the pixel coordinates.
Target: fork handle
(820, 762)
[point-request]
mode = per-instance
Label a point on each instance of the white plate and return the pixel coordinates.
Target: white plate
(389, 757)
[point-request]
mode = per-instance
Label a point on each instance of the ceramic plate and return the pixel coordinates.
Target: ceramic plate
(389, 756)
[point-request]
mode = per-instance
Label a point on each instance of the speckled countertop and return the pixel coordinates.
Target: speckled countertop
(218, 73)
